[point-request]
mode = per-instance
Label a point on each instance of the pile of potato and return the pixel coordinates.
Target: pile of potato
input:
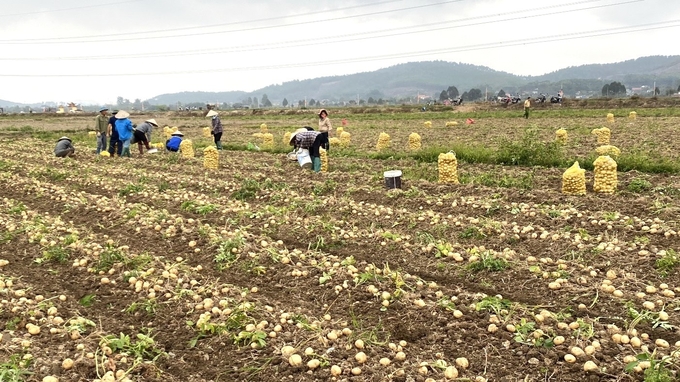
(324, 160)
(383, 142)
(211, 158)
(448, 168)
(603, 135)
(605, 175)
(574, 180)
(187, 148)
(561, 136)
(414, 142)
(345, 139)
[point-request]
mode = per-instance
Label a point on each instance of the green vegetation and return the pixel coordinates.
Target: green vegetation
(228, 252)
(489, 262)
(15, 369)
(667, 264)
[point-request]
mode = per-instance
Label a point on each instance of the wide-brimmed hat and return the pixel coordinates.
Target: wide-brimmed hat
(64, 137)
(323, 111)
(122, 114)
(212, 113)
(103, 109)
(178, 133)
(152, 121)
(300, 130)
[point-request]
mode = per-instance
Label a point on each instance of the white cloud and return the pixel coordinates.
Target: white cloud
(250, 52)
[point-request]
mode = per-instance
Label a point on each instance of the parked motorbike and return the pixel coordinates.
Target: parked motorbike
(541, 98)
(555, 99)
(457, 101)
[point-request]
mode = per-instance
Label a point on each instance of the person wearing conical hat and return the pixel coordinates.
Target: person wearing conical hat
(101, 123)
(175, 140)
(142, 134)
(125, 129)
(64, 148)
(216, 130)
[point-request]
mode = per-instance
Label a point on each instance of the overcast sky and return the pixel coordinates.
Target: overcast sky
(92, 51)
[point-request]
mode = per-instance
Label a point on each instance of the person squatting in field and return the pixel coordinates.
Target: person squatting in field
(175, 140)
(142, 134)
(64, 148)
(216, 130)
(309, 140)
(125, 129)
(101, 126)
(114, 143)
(325, 128)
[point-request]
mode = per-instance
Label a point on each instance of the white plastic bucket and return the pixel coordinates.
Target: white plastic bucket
(304, 159)
(392, 179)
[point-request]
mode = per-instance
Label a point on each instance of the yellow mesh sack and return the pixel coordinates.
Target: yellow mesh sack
(448, 168)
(605, 175)
(574, 180)
(211, 158)
(383, 142)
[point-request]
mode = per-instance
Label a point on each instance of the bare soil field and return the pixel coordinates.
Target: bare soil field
(155, 269)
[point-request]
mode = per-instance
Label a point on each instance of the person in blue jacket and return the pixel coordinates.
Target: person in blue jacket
(175, 140)
(125, 129)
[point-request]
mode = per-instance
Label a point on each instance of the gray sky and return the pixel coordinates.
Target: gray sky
(93, 51)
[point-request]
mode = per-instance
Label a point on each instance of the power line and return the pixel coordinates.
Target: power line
(45, 41)
(353, 37)
(68, 9)
(492, 45)
(202, 26)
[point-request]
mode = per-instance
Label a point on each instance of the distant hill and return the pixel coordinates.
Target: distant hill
(4, 103)
(431, 77)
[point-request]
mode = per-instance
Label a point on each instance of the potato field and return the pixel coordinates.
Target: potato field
(155, 268)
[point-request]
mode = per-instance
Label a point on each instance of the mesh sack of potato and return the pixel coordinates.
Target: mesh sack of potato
(632, 115)
(158, 145)
(603, 135)
(211, 158)
(345, 139)
(187, 148)
(105, 154)
(286, 138)
(414, 142)
(339, 130)
(168, 131)
(448, 168)
(258, 135)
(263, 128)
(206, 132)
(427, 124)
(383, 142)
(605, 175)
(610, 150)
(574, 180)
(267, 141)
(451, 123)
(335, 141)
(561, 136)
(610, 118)
(92, 133)
(323, 155)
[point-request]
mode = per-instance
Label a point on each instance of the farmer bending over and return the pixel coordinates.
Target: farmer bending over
(64, 148)
(142, 134)
(310, 140)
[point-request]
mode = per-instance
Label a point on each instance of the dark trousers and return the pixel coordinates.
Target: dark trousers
(314, 149)
(218, 137)
(115, 142)
(325, 144)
